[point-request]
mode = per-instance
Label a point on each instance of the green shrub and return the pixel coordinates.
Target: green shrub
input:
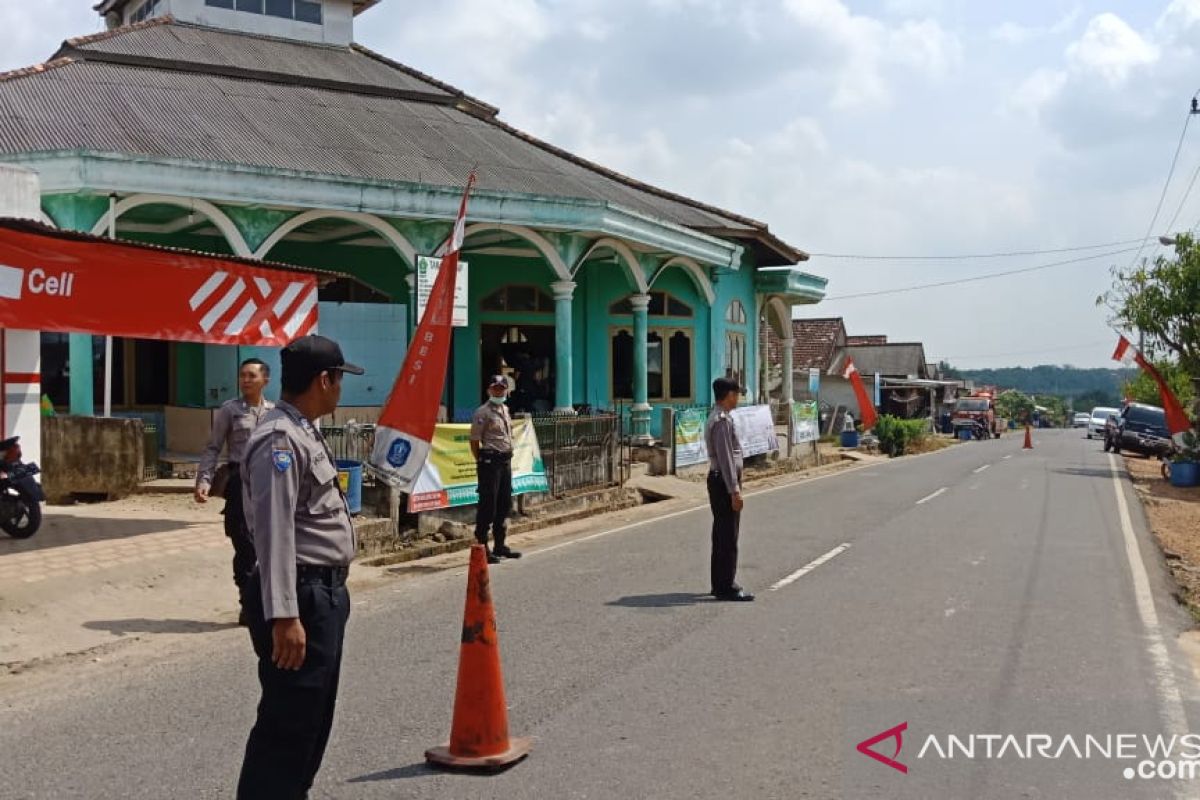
(897, 435)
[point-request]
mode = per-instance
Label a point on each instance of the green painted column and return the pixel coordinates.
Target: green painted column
(563, 374)
(79, 357)
(640, 416)
(78, 212)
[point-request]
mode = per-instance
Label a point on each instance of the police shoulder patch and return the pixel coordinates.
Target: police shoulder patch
(282, 459)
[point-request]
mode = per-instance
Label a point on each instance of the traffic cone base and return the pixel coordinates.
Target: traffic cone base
(518, 748)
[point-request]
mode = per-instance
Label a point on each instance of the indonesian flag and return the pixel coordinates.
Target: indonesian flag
(1177, 419)
(405, 427)
(865, 406)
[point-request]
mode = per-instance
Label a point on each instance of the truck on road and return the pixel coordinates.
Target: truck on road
(977, 412)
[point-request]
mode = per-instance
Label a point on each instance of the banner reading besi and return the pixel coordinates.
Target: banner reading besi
(449, 477)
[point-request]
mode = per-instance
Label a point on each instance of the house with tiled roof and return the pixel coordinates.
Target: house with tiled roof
(260, 129)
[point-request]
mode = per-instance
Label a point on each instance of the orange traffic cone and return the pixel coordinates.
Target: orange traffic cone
(1028, 438)
(479, 732)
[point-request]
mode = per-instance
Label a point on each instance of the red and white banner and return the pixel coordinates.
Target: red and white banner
(865, 407)
(71, 283)
(405, 428)
(1177, 419)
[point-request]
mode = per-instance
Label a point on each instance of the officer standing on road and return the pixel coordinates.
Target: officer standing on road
(725, 490)
(296, 600)
(492, 446)
(232, 426)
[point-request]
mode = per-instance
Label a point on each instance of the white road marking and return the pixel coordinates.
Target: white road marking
(810, 566)
(1007, 457)
(938, 493)
(1170, 701)
(981, 469)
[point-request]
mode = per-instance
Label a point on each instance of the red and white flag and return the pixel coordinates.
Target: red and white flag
(1177, 419)
(406, 425)
(865, 406)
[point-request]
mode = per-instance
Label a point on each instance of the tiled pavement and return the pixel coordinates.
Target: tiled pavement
(80, 540)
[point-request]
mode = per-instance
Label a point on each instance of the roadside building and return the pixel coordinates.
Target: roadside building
(261, 130)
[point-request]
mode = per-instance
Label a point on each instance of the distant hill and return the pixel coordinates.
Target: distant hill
(1061, 381)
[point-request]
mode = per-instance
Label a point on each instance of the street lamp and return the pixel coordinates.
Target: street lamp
(1167, 241)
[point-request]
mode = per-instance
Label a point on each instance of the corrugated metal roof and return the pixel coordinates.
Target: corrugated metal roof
(163, 89)
(897, 360)
(165, 40)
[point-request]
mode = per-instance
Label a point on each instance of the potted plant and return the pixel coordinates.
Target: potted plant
(1185, 463)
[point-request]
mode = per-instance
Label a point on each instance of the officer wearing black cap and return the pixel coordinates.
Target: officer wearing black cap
(492, 446)
(724, 490)
(296, 602)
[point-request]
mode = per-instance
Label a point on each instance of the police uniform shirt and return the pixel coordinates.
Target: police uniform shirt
(724, 449)
(233, 423)
(294, 506)
(491, 426)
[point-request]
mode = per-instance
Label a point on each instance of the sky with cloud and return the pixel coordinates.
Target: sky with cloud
(875, 127)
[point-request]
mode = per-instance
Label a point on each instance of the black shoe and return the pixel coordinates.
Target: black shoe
(493, 558)
(736, 597)
(243, 620)
(734, 590)
(505, 552)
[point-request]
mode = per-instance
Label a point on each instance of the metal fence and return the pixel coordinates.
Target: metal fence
(580, 452)
(352, 443)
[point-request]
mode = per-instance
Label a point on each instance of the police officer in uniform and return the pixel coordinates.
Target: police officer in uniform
(234, 422)
(492, 446)
(725, 490)
(296, 601)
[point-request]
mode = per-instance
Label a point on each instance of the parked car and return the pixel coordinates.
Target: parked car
(1081, 419)
(1098, 417)
(1140, 429)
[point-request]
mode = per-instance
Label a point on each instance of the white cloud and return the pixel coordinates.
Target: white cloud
(1017, 34)
(1111, 49)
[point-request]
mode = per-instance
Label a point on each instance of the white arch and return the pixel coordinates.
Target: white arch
(374, 223)
(215, 215)
(533, 237)
(695, 272)
(625, 254)
(783, 316)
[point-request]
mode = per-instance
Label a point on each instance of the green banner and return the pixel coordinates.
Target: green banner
(805, 424)
(449, 478)
(689, 437)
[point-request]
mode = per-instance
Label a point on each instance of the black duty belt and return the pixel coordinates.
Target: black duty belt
(313, 573)
(495, 453)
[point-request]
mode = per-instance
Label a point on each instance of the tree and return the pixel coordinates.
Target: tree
(1162, 301)
(1096, 398)
(1014, 405)
(1056, 409)
(1143, 389)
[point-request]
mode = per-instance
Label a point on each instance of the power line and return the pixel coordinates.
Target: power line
(1166, 184)
(965, 256)
(989, 276)
(1170, 228)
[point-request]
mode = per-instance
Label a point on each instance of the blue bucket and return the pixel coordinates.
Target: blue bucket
(965, 433)
(1185, 473)
(849, 438)
(350, 479)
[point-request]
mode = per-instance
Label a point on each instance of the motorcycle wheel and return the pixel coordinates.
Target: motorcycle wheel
(25, 519)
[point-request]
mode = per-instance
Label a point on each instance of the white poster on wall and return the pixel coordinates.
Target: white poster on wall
(755, 429)
(427, 271)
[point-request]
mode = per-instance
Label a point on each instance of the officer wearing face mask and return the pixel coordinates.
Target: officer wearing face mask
(492, 446)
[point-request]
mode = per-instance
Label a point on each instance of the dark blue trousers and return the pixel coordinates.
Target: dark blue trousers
(295, 713)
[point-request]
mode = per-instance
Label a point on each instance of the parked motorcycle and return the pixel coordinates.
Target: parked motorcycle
(21, 496)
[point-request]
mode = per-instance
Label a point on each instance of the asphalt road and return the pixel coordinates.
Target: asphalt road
(981, 591)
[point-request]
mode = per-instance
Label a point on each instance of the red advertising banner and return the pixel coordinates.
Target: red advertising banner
(71, 283)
